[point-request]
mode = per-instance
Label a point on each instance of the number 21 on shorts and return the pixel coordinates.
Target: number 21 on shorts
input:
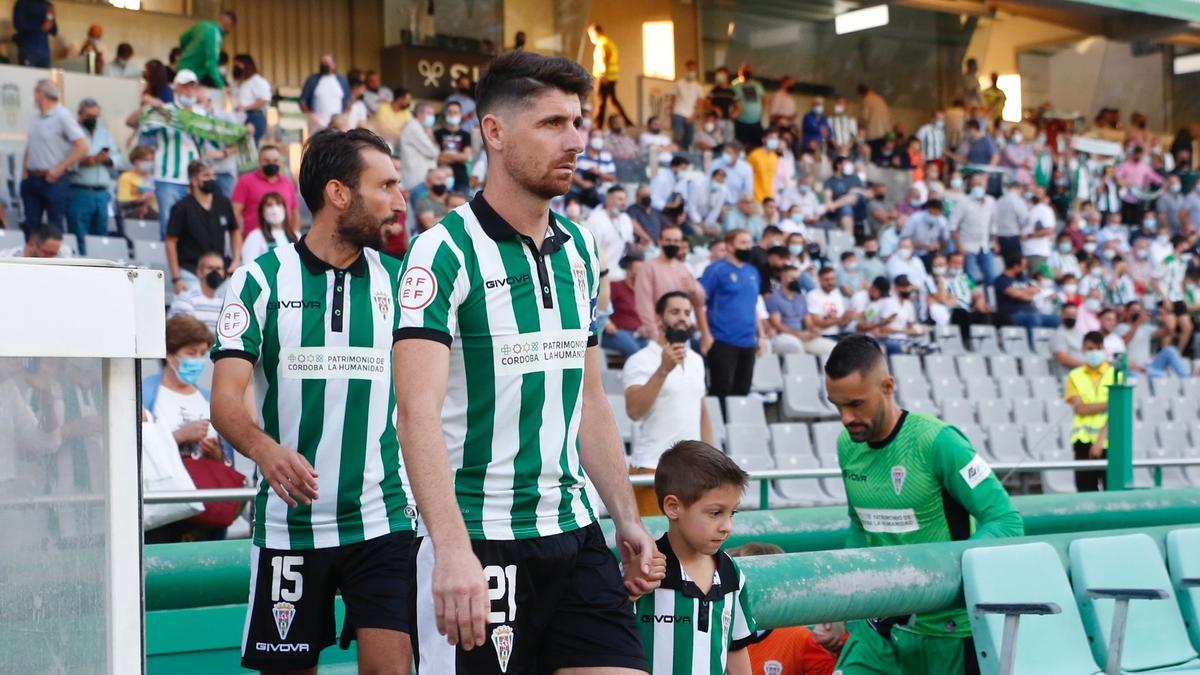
(502, 587)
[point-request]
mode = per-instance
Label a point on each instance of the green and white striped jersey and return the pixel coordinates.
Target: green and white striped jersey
(174, 150)
(686, 632)
(321, 339)
(1174, 270)
(518, 322)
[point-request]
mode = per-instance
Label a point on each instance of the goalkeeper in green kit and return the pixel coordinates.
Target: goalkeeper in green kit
(910, 479)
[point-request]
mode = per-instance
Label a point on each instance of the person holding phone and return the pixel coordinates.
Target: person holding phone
(664, 393)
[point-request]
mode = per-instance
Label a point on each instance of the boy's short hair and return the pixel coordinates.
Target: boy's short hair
(691, 468)
(754, 548)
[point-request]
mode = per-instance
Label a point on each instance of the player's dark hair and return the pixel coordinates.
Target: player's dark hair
(335, 155)
(661, 305)
(1094, 337)
(691, 468)
(751, 549)
(521, 75)
(855, 354)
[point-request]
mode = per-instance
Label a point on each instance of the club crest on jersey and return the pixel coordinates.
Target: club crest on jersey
(285, 615)
(772, 667)
(502, 639)
(579, 271)
(726, 619)
(899, 473)
(383, 302)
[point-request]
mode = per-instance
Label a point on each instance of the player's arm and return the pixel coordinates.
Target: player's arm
(970, 481)
(739, 662)
(856, 536)
(426, 316)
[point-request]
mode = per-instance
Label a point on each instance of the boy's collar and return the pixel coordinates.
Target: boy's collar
(725, 574)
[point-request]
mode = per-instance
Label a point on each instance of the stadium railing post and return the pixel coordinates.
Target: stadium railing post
(1120, 431)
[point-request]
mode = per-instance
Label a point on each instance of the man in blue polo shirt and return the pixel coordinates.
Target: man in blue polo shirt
(732, 287)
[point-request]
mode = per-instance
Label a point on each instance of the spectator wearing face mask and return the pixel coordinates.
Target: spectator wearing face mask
(744, 217)
(617, 141)
(928, 230)
(955, 290)
(1086, 391)
(706, 202)
(1015, 295)
(739, 176)
(709, 136)
(197, 225)
(844, 194)
(748, 112)
(802, 205)
(843, 128)
(594, 171)
(764, 161)
(829, 312)
(325, 93)
(174, 397)
(666, 184)
(1170, 205)
(732, 288)
(643, 213)
(891, 316)
(454, 143)
(905, 262)
(277, 228)
(252, 187)
(852, 280)
(1038, 233)
(135, 186)
(390, 117)
(418, 149)
(814, 128)
(1067, 342)
(685, 99)
(666, 273)
(1062, 259)
(430, 204)
(787, 308)
(203, 302)
(623, 331)
(1012, 217)
(1136, 173)
(972, 227)
(872, 264)
(613, 229)
(654, 140)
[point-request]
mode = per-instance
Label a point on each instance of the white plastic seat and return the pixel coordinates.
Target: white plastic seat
(768, 376)
(824, 439)
(1006, 444)
(993, 411)
(716, 419)
(1034, 366)
(938, 366)
(1042, 441)
(745, 411)
(106, 248)
(1002, 365)
(957, 411)
(1028, 411)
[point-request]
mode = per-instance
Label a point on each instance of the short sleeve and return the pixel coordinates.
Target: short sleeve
(742, 628)
(638, 370)
(430, 288)
(71, 129)
(175, 221)
(239, 190)
(240, 324)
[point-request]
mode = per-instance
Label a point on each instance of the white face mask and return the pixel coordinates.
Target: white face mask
(905, 253)
(274, 214)
(597, 143)
(819, 109)
(772, 143)
(939, 270)
(453, 120)
(145, 166)
(1070, 289)
(839, 109)
(709, 127)
(848, 169)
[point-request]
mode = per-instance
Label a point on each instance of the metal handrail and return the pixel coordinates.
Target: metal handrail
(762, 477)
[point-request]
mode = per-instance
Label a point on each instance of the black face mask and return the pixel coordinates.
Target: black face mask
(742, 254)
(644, 202)
(214, 279)
(1068, 322)
(794, 285)
(325, 69)
(238, 72)
(89, 123)
(870, 254)
(208, 187)
(270, 170)
(906, 294)
(671, 250)
(438, 190)
(814, 250)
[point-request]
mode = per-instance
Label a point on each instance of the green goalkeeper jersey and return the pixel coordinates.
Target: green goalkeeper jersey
(922, 485)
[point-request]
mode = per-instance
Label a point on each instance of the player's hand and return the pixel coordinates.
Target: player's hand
(829, 635)
(658, 572)
(460, 601)
(637, 549)
(288, 473)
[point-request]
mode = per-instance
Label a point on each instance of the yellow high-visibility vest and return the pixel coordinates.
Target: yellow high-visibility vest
(1086, 428)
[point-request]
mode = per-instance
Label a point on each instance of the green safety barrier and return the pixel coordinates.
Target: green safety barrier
(203, 574)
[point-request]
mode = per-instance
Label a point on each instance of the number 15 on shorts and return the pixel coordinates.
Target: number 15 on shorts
(502, 589)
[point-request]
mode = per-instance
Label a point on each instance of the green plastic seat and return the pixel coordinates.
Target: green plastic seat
(1183, 559)
(1046, 644)
(1155, 638)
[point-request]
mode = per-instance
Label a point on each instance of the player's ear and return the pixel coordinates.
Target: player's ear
(492, 129)
(888, 385)
(671, 507)
(338, 194)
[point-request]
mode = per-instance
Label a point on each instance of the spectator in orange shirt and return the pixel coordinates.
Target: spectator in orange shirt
(796, 650)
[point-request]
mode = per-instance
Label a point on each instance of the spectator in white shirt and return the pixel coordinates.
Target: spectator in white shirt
(932, 136)
(907, 264)
(326, 93)
(418, 151)
(203, 302)
(275, 228)
(377, 92)
(664, 392)
(44, 242)
(1037, 236)
(892, 315)
(709, 135)
(653, 138)
(828, 311)
(739, 176)
(706, 202)
(668, 183)
(684, 99)
(251, 94)
(612, 229)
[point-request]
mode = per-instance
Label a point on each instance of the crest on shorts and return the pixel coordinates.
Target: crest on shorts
(383, 302)
(772, 667)
(285, 615)
(899, 473)
(502, 638)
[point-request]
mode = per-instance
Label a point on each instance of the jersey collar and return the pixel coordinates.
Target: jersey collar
(677, 579)
(315, 265)
(892, 436)
(496, 227)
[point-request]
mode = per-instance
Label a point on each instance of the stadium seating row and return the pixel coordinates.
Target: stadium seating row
(1123, 609)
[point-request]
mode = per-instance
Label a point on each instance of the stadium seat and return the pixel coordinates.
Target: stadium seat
(970, 366)
(949, 340)
(1185, 408)
(71, 242)
(716, 418)
(1153, 411)
(906, 366)
(835, 488)
(1014, 340)
(744, 410)
(957, 411)
(975, 435)
(624, 424)
(803, 365)
(979, 388)
(921, 405)
(614, 384)
(142, 230)
(1034, 366)
(793, 450)
(1172, 437)
(752, 463)
(939, 366)
(11, 238)
(1045, 386)
(1058, 482)
(1042, 440)
(1167, 387)
(984, 339)
(748, 440)
(1173, 477)
(841, 240)
(1141, 389)
(1130, 569)
(1028, 411)
(106, 248)
(1041, 341)
(1002, 365)
(1026, 580)
(908, 388)
(946, 388)
(803, 389)
(1191, 389)
(824, 438)
(993, 411)
(1058, 412)
(1183, 559)
(1004, 441)
(150, 253)
(768, 376)
(792, 440)
(1013, 387)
